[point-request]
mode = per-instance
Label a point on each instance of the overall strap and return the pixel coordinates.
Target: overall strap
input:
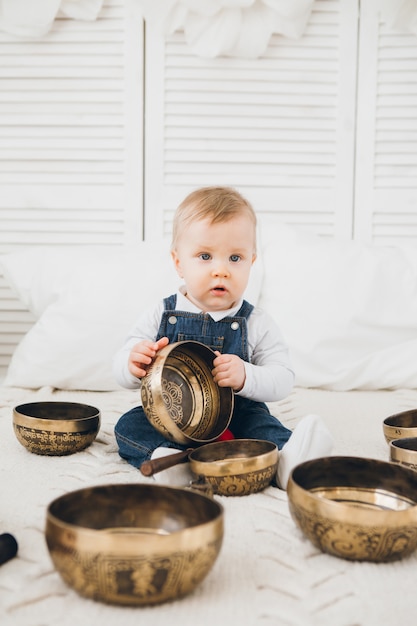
(245, 310)
(170, 303)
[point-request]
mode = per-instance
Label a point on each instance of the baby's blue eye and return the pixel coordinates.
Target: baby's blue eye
(235, 258)
(205, 256)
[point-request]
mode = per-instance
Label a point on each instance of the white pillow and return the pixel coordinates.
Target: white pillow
(348, 311)
(92, 301)
(39, 275)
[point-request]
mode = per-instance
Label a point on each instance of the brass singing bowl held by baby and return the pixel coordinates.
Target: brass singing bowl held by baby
(400, 425)
(134, 544)
(404, 451)
(237, 467)
(356, 508)
(181, 399)
(55, 428)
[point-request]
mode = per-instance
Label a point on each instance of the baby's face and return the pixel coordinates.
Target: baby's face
(215, 261)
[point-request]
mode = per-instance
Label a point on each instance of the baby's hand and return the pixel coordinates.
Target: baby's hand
(142, 355)
(229, 371)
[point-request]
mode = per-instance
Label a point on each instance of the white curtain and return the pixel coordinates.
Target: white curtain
(212, 27)
(243, 27)
(239, 28)
(34, 18)
(399, 14)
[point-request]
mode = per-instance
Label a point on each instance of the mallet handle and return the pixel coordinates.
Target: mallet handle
(149, 468)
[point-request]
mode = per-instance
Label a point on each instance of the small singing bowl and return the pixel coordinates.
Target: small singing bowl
(356, 508)
(134, 544)
(181, 399)
(404, 451)
(55, 428)
(237, 467)
(400, 425)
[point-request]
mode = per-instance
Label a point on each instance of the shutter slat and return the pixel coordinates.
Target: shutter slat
(69, 119)
(262, 122)
(56, 86)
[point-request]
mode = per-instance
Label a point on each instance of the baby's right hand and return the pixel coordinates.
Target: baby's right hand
(142, 355)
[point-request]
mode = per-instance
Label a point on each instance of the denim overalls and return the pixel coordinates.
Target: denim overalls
(135, 435)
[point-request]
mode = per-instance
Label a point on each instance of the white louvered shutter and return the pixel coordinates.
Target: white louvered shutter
(386, 174)
(279, 128)
(70, 141)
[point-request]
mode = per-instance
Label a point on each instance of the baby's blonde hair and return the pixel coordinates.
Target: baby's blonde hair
(218, 204)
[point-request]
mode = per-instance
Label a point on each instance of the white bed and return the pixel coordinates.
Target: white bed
(266, 573)
(350, 316)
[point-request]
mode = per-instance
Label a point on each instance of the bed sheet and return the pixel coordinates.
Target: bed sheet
(267, 573)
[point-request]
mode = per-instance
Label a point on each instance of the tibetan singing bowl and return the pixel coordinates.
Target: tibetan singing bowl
(181, 399)
(400, 425)
(356, 508)
(404, 451)
(134, 544)
(55, 428)
(236, 467)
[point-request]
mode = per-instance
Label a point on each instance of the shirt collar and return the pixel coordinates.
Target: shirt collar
(184, 304)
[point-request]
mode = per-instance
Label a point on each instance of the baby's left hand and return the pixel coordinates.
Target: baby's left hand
(229, 371)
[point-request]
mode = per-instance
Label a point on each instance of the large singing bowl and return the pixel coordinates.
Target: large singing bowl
(55, 428)
(404, 451)
(237, 467)
(181, 399)
(134, 544)
(400, 425)
(356, 508)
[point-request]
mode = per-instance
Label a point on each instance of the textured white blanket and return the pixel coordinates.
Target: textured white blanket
(267, 573)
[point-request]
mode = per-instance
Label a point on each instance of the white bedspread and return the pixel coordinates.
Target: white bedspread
(267, 573)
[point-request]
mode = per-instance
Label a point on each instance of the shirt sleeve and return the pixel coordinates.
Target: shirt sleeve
(145, 327)
(269, 376)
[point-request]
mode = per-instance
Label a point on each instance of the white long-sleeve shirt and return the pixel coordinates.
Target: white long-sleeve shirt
(269, 376)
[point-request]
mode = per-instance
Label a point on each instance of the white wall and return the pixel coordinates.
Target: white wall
(71, 122)
(103, 131)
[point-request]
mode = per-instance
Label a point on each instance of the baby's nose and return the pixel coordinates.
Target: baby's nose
(221, 269)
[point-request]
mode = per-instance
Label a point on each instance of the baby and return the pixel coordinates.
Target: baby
(213, 249)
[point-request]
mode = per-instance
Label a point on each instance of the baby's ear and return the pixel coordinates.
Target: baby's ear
(177, 263)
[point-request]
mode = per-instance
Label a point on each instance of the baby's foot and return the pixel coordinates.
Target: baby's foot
(311, 439)
(176, 476)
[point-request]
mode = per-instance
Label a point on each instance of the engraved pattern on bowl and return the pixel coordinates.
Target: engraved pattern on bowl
(55, 428)
(356, 508)
(134, 544)
(237, 467)
(181, 399)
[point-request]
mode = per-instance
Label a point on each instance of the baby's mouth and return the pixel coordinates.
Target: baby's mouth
(219, 289)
